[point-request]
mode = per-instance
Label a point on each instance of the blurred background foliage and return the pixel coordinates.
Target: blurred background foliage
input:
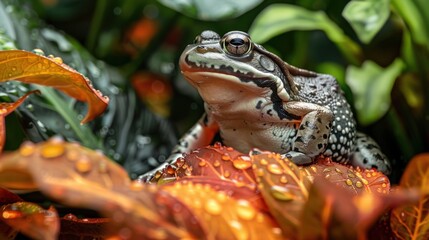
(377, 49)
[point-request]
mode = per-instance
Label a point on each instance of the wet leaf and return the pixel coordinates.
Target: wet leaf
(7, 197)
(211, 10)
(80, 177)
(29, 67)
(333, 212)
(73, 227)
(215, 161)
(356, 180)
(284, 188)
(6, 109)
(412, 221)
(371, 86)
(32, 220)
(223, 216)
(367, 17)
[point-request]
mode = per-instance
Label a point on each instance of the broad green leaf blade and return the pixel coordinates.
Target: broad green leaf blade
(28, 67)
(211, 10)
(280, 18)
(371, 86)
(367, 17)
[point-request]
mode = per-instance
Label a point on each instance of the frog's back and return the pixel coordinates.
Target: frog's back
(324, 90)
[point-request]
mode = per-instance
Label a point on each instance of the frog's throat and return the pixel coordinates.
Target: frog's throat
(232, 71)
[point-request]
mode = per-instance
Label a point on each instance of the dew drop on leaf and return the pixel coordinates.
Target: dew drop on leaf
(52, 149)
(242, 163)
(83, 165)
(281, 193)
(245, 211)
(213, 207)
(27, 149)
(274, 169)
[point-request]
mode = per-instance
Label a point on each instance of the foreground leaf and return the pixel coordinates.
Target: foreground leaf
(6, 109)
(284, 188)
(215, 161)
(80, 177)
(367, 17)
(356, 180)
(29, 67)
(412, 221)
(371, 86)
(7, 197)
(335, 213)
(32, 220)
(223, 216)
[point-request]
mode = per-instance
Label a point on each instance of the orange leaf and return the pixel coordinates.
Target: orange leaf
(6, 109)
(333, 212)
(357, 180)
(215, 161)
(32, 220)
(6, 197)
(284, 188)
(77, 176)
(412, 221)
(222, 216)
(28, 67)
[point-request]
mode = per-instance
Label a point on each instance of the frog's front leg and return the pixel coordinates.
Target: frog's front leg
(313, 131)
(201, 134)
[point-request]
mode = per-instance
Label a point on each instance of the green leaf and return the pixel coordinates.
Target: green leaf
(211, 10)
(367, 17)
(280, 18)
(371, 86)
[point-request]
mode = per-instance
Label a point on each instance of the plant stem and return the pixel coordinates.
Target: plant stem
(96, 24)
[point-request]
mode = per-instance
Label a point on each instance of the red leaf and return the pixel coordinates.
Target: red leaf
(6, 109)
(88, 228)
(412, 221)
(28, 67)
(32, 220)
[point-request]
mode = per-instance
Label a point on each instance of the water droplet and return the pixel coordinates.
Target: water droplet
(202, 163)
(158, 174)
(283, 179)
(274, 169)
(337, 170)
(83, 165)
(217, 145)
(238, 230)
(359, 184)
(216, 163)
(384, 185)
(58, 60)
(52, 149)
(230, 149)
(70, 217)
(260, 172)
(213, 207)
(38, 51)
(242, 163)
(263, 161)
(365, 181)
(30, 107)
(27, 149)
(244, 210)
(349, 182)
(227, 174)
(281, 193)
(170, 170)
(277, 231)
(226, 157)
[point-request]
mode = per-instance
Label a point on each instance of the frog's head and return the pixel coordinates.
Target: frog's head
(219, 67)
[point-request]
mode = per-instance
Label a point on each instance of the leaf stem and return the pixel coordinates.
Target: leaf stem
(96, 24)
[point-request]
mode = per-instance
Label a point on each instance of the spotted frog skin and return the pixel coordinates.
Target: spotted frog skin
(256, 100)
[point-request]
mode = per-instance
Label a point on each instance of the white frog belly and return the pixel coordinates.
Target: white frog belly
(276, 137)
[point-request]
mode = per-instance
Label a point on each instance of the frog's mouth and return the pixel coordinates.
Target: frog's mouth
(204, 68)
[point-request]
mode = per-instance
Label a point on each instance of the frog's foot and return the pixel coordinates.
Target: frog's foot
(368, 155)
(298, 158)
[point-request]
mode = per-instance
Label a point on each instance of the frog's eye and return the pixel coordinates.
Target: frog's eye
(236, 43)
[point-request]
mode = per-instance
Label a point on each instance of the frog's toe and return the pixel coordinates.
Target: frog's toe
(298, 158)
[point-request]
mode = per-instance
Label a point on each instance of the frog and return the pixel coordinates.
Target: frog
(255, 100)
